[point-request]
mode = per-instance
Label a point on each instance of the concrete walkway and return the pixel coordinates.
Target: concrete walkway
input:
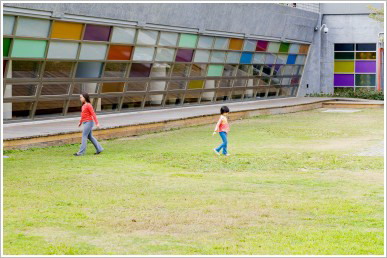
(69, 125)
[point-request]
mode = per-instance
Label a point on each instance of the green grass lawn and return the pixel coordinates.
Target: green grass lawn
(293, 185)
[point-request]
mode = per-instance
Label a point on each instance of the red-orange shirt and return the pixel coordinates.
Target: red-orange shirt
(88, 113)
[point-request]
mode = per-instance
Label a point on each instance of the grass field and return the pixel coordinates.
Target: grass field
(293, 185)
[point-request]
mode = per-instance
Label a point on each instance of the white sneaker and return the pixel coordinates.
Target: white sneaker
(227, 154)
(217, 153)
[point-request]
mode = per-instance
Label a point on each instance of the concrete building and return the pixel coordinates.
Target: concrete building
(132, 57)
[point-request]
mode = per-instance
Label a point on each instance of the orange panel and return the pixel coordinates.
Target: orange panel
(67, 30)
(113, 87)
(118, 52)
(304, 49)
(236, 44)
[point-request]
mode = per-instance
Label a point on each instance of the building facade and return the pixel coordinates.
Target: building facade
(133, 57)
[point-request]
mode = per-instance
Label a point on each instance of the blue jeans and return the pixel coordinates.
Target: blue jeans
(223, 146)
(88, 134)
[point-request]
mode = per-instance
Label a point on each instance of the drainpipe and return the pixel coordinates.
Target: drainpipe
(379, 71)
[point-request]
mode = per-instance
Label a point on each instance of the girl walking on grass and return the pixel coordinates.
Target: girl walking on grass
(88, 117)
(222, 127)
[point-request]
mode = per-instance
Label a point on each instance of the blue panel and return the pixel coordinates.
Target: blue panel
(89, 70)
(246, 58)
(291, 59)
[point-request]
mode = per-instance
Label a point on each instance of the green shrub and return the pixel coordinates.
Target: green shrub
(361, 93)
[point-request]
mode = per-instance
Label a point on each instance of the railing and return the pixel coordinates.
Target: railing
(304, 6)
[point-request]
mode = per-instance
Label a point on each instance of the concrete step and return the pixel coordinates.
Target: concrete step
(353, 104)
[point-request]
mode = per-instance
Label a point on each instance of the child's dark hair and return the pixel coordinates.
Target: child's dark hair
(224, 109)
(86, 96)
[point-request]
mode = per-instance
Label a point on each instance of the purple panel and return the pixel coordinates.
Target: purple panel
(365, 67)
(140, 70)
(184, 55)
(262, 45)
(344, 80)
(97, 32)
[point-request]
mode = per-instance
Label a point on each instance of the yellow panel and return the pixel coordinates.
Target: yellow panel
(195, 85)
(344, 67)
(67, 30)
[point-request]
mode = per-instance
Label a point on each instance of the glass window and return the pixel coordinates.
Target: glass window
(218, 56)
(211, 84)
(6, 45)
(58, 69)
(29, 48)
(192, 97)
(225, 83)
(266, 70)
(205, 42)
(237, 94)
(49, 107)
(257, 69)
(195, 84)
(25, 69)
(184, 55)
(55, 89)
(97, 32)
(230, 70)
(343, 47)
(233, 57)
(294, 48)
(221, 43)
(222, 95)
(304, 49)
(365, 67)
(115, 70)
(19, 110)
(143, 53)
(147, 37)
(273, 47)
(119, 52)
(157, 85)
(123, 35)
(246, 58)
(32, 27)
(75, 107)
(300, 59)
(154, 100)
(284, 47)
(161, 70)
(240, 83)
(366, 47)
(177, 85)
(62, 50)
(250, 45)
(215, 70)
(8, 23)
(188, 40)
(108, 87)
(244, 70)
(366, 55)
(88, 70)
(270, 59)
(181, 70)
(207, 96)
(140, 70)
(67, 30)
(365, 79)
(262, 45)
(109, 104)
(136, 86)
(236, 44)
(281, 59)
(202, 56)
(259, 58)
(344, 80)
(291, 59)
(89, 87)
(168, 39)
(165, 54)
(174, 99)
(198, 70)
(344, 55)
(92, 51)
(20, 90)
(132, 102)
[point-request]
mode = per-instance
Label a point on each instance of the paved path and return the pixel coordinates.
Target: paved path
(375, 150)
(69, 125)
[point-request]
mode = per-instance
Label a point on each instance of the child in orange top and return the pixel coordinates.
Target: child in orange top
(222, 127)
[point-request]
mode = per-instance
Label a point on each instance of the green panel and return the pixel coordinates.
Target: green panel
(29, 48)
(365, 80)
(6, 45)
(188, 40)
(344, 66)
(344, 55)
(284, 47)
(215, 70)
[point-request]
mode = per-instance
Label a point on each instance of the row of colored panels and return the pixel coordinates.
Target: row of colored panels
(32, 27)
(352, 47)
(351, 55)
(355, 67)
(351, 80)
(23, 48)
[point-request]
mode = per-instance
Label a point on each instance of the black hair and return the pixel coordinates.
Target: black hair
(86, 96)
(224, 109)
